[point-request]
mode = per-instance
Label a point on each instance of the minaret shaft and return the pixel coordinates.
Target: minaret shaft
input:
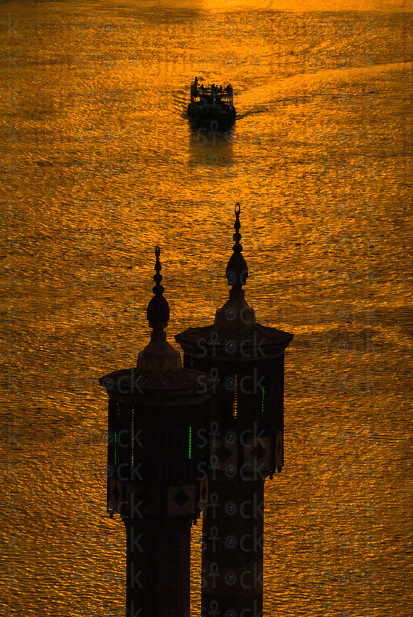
(158, 567)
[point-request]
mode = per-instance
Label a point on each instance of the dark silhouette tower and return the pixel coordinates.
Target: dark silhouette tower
(155, 409)
(245, 360)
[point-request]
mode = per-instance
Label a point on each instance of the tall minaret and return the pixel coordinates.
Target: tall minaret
(155, 409)
(245, 360)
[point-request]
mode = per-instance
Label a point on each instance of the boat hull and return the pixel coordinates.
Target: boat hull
(214, 119)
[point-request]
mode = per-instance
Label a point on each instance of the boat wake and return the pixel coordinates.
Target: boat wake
(303, 87)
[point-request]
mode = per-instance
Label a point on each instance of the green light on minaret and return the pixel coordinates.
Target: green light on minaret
(262, 406)
(190, 442)
(115, 447)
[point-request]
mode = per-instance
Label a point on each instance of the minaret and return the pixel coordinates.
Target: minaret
(155, 409)
(245, 360)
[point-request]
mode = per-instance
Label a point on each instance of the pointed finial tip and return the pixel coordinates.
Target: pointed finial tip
(237, 211)
(157, 251)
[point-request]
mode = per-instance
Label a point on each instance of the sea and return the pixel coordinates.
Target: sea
(99, 165)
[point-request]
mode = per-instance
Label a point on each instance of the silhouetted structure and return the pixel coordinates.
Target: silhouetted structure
(155, 409)
(245, 360)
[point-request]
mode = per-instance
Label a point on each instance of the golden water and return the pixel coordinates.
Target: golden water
(102, 168)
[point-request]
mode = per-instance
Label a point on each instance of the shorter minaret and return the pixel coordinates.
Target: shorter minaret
(155, 410)
(246, 425)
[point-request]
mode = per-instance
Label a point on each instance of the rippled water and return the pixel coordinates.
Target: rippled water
(103, 167)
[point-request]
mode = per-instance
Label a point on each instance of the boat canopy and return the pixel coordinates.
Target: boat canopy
(212, 92)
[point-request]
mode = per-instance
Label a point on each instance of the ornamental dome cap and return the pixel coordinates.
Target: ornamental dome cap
(235, 335)
(158, 379)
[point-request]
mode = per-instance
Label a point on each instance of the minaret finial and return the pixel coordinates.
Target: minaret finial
(237, 248)
(158, 355)
(237, 269)
(158, 307)
(158, 289)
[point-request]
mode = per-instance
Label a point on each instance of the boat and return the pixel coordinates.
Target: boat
(212, 106)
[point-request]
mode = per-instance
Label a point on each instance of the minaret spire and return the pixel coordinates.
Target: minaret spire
(158, 308)
(236, 313)
(237, 248)
(158, 289)
(237, 269)
(158, 354)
